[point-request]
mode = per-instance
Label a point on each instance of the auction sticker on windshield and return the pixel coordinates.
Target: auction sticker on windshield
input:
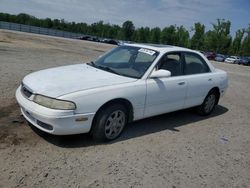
(147, 51)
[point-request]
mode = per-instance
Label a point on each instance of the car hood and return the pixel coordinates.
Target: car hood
(55, 82)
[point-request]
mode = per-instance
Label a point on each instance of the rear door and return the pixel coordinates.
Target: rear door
(199, 79)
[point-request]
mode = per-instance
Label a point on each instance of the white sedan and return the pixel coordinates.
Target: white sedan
(232, 59)
(129, 83)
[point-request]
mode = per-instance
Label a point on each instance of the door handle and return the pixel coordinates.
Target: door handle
(210, 79)
(181, 83)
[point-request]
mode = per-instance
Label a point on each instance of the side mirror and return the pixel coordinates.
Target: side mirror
(160, 74)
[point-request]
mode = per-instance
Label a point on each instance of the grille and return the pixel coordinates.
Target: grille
(25, 91)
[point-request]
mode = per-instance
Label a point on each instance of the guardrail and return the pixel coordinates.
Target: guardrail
(38, 30)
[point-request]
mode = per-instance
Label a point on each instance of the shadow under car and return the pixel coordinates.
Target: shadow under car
(170, 121)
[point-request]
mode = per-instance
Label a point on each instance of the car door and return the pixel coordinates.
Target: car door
(199, 79)
(166, 94)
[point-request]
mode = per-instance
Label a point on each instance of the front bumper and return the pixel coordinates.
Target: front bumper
(57, 122)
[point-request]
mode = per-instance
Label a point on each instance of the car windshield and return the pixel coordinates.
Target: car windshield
(127, 61)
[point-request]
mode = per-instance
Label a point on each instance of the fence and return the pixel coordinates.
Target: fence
(38, 30)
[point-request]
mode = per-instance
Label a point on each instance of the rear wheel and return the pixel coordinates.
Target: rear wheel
(208, 104)
(109, 122)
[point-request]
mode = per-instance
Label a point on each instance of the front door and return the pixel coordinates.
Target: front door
(166, 94)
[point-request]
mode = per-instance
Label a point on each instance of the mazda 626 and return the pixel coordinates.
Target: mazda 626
(128, 83)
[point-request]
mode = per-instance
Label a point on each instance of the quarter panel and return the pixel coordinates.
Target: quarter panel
(198, 87)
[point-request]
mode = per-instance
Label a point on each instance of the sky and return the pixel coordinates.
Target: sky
(152, 13)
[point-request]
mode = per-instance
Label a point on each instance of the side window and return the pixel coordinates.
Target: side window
(194, 64)
(172, 62)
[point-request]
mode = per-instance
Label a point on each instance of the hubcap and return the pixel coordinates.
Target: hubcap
(114, 124)
(210, 102)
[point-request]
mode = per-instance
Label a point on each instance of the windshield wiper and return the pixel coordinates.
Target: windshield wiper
(91, 63)
(107, 69)
(104, 68)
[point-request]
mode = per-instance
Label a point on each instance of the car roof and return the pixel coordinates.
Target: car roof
(160, 47)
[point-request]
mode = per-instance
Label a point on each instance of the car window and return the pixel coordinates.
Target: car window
(143, 57)
(121, 56)
(172, 62)
(194, 64)
(127, 61)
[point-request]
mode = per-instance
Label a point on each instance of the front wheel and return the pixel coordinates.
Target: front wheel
(208, 104)
(110, 122)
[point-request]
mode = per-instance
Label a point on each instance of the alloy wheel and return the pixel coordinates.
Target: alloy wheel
(114, 124)
(210, 102)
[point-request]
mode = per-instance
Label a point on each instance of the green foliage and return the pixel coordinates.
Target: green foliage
(245, 47)
(182, 37)
(236, 44)
(168, 35)
(218, 39)
(155, 35)
(198, 39)
(128, 30)
(141, 35)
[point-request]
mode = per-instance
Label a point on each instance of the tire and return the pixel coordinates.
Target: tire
(109, 122)
(208, 104)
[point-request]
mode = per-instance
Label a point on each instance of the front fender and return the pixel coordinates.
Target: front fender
(89, 101)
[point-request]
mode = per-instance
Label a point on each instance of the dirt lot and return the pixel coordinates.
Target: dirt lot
(178, 149)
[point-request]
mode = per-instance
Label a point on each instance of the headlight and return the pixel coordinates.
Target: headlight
(54, 103)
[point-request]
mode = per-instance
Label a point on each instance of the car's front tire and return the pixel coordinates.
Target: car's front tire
(208, 104)
(109, 122)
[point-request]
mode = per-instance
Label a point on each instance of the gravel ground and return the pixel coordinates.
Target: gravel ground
(179, 149)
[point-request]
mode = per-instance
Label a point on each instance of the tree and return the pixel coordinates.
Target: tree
(48, 23)
(128, 30)
(219, 39)
(142, 35)
(245, 48)
(197, 41)
(23, 18)
(56, 24)
(168, 35)
(155, 35)
(236, 44)
(4, 17)
(182, 37)
(210, 41)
